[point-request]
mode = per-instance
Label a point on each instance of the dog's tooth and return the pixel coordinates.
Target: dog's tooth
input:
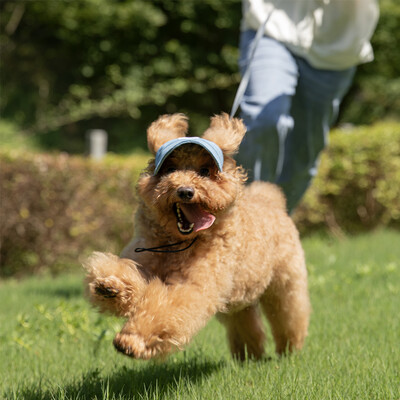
(180, 227)
(180, 221)
(178, 211)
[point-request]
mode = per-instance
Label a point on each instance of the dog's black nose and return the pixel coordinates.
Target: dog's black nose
(185, 192)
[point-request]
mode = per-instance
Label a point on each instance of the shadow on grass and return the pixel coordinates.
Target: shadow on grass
(152, 381)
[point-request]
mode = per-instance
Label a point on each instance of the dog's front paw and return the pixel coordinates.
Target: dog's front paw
(134, 345)
(110, 295)
(105, 289)
(114, 284)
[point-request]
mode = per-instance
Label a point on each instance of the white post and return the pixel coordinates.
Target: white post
(97, 143)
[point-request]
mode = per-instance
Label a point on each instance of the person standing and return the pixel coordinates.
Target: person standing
(302, 67)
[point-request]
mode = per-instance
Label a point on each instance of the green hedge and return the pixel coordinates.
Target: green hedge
(55, 209)
(358, 182)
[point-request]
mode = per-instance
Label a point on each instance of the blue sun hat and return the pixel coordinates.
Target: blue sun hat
(167, 148)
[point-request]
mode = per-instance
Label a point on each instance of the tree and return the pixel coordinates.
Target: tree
(71, 65)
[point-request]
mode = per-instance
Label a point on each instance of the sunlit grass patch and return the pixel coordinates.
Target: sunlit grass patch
(53, 345)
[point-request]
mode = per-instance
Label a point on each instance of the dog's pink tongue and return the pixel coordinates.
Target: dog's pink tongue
(197, 215)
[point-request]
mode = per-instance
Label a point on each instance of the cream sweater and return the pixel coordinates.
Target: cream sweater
(330, 34)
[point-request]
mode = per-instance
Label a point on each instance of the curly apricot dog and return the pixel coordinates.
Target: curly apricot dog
(205, 244)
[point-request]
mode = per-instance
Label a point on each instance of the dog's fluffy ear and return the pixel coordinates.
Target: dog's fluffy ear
(227, 133)
(165, 128)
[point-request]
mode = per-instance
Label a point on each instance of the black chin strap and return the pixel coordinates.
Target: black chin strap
(159, 249)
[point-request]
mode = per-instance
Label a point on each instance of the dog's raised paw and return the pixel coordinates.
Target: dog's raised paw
(107, 287)
(111, 295)
(113, 284)
(106, 291)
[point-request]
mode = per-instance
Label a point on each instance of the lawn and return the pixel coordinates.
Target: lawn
(53, 345)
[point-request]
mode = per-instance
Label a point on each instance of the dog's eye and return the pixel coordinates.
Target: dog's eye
(170, 170)
(204, 172)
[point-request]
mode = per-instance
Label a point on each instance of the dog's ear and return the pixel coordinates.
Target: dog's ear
(226, 132)
(165, 128)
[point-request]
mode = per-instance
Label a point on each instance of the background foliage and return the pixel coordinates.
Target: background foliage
(68, 66)
(116, 64)
(357, 187)
(58, 208)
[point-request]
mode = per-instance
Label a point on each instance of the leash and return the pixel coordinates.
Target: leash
(159, 249)
(246, 76)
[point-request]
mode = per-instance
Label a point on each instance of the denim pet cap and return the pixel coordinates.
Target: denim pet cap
(167, 148)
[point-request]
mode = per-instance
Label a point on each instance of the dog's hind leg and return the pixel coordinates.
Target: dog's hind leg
(245, 333)
(287, 307)
(114, 284)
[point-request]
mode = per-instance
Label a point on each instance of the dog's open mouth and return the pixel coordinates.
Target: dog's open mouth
(191, 217)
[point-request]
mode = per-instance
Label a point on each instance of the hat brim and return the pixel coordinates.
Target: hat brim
(167, 148)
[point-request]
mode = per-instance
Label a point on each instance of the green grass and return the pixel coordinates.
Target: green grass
(54, 346)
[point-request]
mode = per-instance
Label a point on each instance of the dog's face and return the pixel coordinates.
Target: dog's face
(189, 192)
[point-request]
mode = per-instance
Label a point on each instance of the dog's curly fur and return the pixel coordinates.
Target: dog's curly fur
(250, 258)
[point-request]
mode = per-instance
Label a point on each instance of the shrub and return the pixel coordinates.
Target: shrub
(358, 182)
(56, 208)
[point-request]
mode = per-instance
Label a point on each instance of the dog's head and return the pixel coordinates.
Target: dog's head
(191, 182)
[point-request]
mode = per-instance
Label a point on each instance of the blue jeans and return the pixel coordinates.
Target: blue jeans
(288, 109)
